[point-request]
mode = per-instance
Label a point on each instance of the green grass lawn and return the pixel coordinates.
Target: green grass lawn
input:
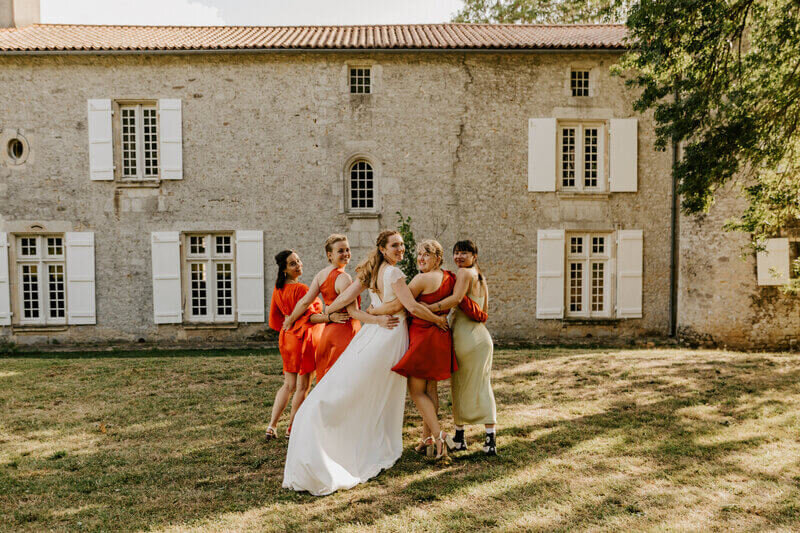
(597, 439)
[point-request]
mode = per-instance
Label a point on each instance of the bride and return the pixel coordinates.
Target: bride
(350, 426)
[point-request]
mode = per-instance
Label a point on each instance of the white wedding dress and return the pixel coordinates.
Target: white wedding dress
(351, 425)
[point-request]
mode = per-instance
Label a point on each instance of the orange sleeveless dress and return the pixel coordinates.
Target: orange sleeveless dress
(430, 353)
(335, 337)
(298, 344)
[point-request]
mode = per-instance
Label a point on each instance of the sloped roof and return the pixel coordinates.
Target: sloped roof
(72, 37)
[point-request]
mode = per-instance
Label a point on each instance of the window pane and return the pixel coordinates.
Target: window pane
(576, 287)
(55, 289)
(590, 157)
(224, 289)
(197, 245)
(568, 157)
(129, 128)
(199, 290)
(576, 245)
(362, 185)
(30, 291)
(360, 80)
(28, 247)
(598, 245)
(223, 244)
(150, 133)
(579, 82)
(55, 246)
(598, 286)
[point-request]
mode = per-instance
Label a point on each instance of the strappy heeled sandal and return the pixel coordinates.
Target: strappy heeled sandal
(271, 433)
(425, 446)
(442, 438)
(288, 432)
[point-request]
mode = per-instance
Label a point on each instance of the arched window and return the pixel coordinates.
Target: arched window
(361, 186)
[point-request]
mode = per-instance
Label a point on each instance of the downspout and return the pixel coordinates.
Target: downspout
(675, 229)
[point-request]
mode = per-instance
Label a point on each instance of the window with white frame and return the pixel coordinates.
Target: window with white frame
(210, 277)
(41, 275)
(588, 276)
(138, 140)
(581, 149)
(794, 258)
(579, 82)
(361, 186)
(360, 80)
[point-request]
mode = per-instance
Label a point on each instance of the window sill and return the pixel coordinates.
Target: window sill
(362, 215)
(36, 330)
(590, 321)
(564, 195)
(137, 184)
(208, 325)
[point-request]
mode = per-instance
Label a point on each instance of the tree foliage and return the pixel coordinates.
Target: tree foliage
(409, 263)
(543, 11)
(723, 79)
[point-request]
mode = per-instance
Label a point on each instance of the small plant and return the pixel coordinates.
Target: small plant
(7, 347)
(409, 263)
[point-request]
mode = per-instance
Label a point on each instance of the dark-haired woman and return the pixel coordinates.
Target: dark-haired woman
(473, 398)
(297, 344)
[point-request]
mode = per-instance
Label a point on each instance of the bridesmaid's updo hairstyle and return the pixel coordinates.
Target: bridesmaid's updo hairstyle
(280, 259)
(432, 247)
(367, 270)
(333, 239)
(469, 246)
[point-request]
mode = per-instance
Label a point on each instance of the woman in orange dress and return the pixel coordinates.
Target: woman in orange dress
(329, 282)
(297, 344)
(430, 357)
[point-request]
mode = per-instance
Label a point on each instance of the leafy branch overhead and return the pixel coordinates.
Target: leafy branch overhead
(723, 79)
(543, 11)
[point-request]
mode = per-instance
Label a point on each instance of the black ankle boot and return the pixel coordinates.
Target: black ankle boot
(460, 440)
(490, 445)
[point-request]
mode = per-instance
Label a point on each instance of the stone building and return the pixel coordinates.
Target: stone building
(148, 175)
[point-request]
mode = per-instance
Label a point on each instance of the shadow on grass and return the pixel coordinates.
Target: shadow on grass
(235, 462)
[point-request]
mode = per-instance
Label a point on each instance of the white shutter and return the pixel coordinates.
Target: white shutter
(170, 138)
(250, 275)
(80, 278)
(629, 273)
(166, 277)
(5, 294)
(101, 151)
(624, 155)
(542, 154)
(550, 274)
(773, 263)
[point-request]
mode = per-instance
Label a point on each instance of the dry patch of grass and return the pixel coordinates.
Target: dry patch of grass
(589, 440)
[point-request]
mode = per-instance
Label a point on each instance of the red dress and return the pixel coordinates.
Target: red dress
(298, 344)
(335, 337)
(430, 353)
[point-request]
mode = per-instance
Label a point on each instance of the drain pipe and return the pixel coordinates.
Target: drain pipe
(674, 256)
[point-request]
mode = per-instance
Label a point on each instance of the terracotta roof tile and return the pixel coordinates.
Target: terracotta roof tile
(70, 37)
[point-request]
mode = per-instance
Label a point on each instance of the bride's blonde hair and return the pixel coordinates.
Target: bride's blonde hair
(367, 270)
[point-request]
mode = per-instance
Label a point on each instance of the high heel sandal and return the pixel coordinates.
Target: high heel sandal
(425, 446)
(271, 433)
(443, 438)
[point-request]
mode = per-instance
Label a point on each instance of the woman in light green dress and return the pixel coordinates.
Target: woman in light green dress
(473, 398)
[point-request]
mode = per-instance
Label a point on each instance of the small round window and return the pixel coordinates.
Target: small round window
(16, 150)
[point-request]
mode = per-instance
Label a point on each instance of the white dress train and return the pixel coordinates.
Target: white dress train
(351, 425)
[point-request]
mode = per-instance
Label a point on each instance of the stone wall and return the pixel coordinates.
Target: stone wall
(720, 302)
(266, 138)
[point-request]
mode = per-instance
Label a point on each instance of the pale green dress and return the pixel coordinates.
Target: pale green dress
(473, 398)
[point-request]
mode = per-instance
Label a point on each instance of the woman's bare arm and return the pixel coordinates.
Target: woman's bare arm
(346, 297)
(486, 299)
(459, 291)
(385, 321)
(395, 306)
(302, 304)
(405, 296)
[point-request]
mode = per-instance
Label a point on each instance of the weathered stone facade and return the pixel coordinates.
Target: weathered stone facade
(266, 141)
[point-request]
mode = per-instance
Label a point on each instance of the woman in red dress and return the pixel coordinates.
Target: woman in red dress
(297, 343)
(329, 282)
(430, 357)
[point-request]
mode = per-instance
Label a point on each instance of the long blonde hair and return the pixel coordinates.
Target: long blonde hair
(367, 270)
(433, 247)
